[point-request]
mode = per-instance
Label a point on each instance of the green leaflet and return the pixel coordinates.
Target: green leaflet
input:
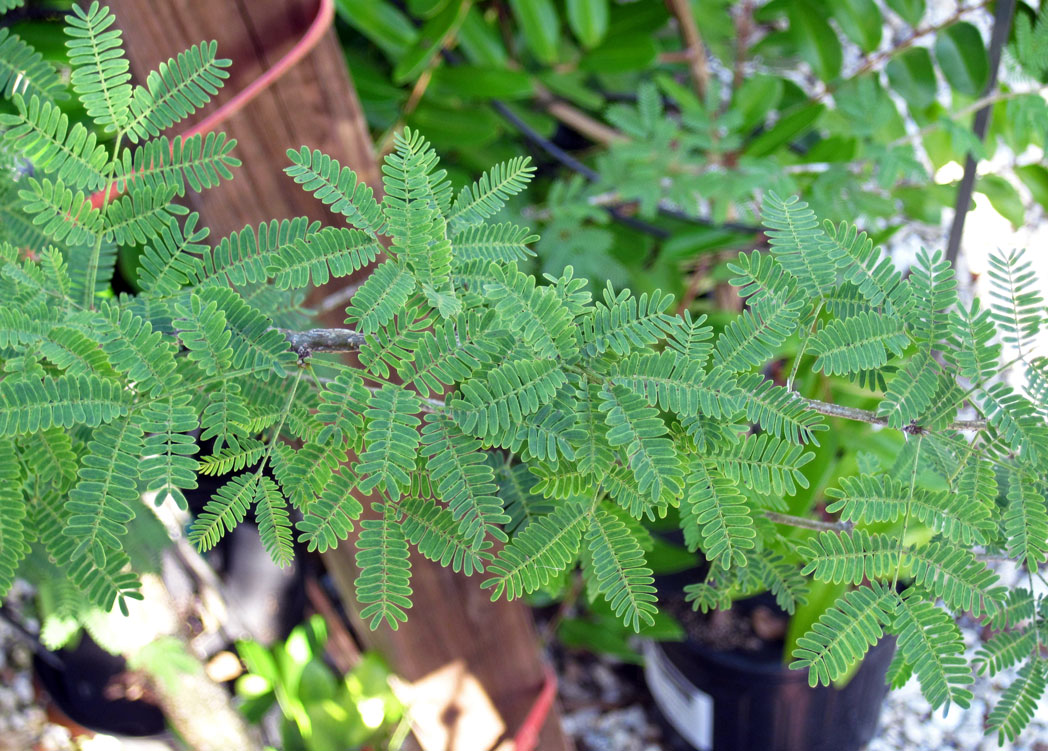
(716, 518)
(872, 499)
(621, 575)
(508, 393)
(27, 406)
(391, 440)
(931, 642)
(436, 534)
(14, 543)
(41, 131)
(198, 162)
(1015, 299)
(329, 519)
(751, 338)
(488, 195)
(679, 385)
(910, 392)
(175, 90)
(861, 342)
(337, 187)
(101, 503)
(849, 557)
(463, 480)
(247, 256)
(381, 297)
(778, 411)
(1026, 521)
(23, 69)
(274, 525)
(100, 70)
(844, 633)
(1015, 709)
(169, 467)
(765, 464)
(637, 428)
(383, 584)
(796, 240)
(536, 312)
(415, 221)
(227, 508)
(547, 546)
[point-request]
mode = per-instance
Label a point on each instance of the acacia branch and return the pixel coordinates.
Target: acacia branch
(804, 523)
(865, 415)
(305, 343)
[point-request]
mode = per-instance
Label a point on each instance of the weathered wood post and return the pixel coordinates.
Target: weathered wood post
(314, 103)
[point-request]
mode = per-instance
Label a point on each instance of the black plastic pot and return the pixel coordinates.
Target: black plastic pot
(78, 688)
(729, 701)
(734, 700)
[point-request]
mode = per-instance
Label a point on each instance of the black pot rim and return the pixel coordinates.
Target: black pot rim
(733, 659)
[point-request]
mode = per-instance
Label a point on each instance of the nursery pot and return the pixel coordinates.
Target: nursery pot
(717, 700)
(82, 689)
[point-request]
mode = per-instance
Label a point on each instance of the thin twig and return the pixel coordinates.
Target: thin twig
(985, 102)
(906, 515)
(34, 641)
(864, 415)
(616, 211)
(575, 118)
(805, 523)
(874, 60)
(306, 343)
(743, 31)
(384, 145)
(337, 299)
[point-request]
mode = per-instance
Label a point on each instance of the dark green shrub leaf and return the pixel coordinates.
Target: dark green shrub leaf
(962, 57)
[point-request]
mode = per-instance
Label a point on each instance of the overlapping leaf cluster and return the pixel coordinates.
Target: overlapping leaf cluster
(510, 427)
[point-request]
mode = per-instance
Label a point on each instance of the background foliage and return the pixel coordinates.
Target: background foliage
(854, 105)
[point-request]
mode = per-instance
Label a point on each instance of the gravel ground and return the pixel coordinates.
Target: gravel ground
(908, 722)
(23, 722)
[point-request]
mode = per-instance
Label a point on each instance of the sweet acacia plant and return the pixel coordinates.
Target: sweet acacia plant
(489, 407)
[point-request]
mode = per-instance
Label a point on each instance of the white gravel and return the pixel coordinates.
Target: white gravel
(23, 722)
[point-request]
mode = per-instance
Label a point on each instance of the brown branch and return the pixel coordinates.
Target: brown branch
(578, 120)
(305, 343)
(743, 32)
(698, 66)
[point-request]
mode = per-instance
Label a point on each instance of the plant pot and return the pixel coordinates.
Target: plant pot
(727, 701)
(83, 690)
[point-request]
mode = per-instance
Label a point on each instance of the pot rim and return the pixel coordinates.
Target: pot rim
(742, 663)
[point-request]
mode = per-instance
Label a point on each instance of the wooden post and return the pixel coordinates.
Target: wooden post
(314, 103)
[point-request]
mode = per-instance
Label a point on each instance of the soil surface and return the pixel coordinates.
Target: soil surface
(750, 626)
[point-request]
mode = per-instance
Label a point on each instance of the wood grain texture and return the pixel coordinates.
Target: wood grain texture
(315, 104)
